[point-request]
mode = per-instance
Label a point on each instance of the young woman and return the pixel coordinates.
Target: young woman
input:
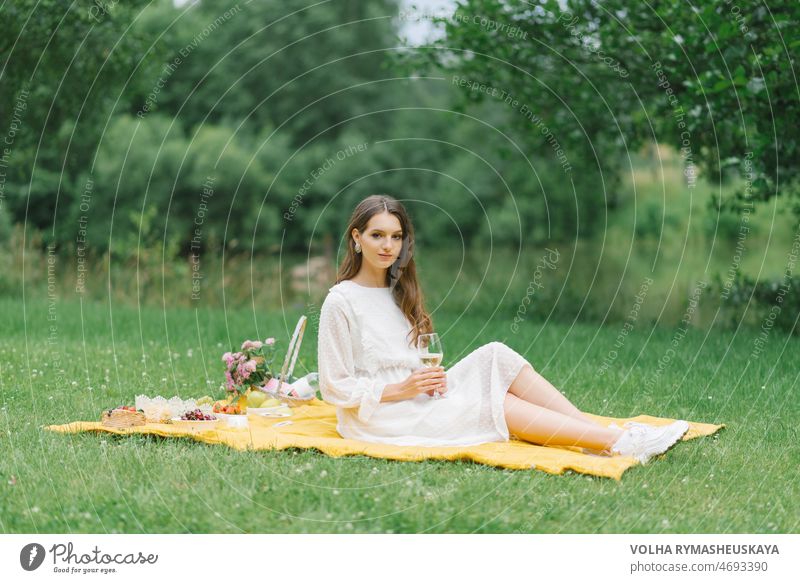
(370, 370)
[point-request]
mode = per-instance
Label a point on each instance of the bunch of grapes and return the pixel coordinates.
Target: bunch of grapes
(197, 415)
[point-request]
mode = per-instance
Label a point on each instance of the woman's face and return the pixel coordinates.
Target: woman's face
(381, 241)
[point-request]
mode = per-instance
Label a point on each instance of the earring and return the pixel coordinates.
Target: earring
(358, 247)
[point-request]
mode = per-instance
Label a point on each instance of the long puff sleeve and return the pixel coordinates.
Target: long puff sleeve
(338, 382)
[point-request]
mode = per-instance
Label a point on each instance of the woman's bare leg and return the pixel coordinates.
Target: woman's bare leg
(532, 387)
(547, 427)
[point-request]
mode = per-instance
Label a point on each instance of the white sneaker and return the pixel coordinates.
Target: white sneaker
(644, 441)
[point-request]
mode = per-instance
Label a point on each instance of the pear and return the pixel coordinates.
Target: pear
(256, 399)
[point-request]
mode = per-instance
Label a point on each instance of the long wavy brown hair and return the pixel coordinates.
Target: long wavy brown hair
(401, 277)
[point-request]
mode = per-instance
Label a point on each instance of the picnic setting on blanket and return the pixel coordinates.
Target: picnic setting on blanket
(268, 411)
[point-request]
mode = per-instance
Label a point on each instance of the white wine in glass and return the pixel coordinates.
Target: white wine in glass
(431, 352)
(429, 359)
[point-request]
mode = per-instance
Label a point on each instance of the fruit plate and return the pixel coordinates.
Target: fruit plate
(195, 425)
(279, 411)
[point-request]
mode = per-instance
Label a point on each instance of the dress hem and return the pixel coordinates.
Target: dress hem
(498, 404)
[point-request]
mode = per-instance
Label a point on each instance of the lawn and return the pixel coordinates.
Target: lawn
(66, 361)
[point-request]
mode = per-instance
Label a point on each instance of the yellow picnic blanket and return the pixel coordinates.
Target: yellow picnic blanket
(314, 426)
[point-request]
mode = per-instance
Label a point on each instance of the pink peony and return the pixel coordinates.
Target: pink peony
(251, 345)
(269, 341)
(250, 365)
(242, 371)
(227, 358)
(230, 385)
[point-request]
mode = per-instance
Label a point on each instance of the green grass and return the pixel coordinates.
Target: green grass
(743, 479)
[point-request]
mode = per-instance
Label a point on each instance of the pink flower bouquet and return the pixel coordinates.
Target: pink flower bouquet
(250, 367)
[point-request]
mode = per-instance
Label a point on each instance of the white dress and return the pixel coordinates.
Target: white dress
(363, 347)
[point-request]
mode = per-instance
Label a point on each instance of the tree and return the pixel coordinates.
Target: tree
(306, 67)
(59, 64)
(714, 79)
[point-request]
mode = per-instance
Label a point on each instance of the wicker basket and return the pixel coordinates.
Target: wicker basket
(122, 418)
(293, 401)
(288, 366)
(292, 352)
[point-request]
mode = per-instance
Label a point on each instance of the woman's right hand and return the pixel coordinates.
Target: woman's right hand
(423, 380)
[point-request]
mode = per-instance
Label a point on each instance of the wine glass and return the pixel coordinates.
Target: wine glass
(431, 352)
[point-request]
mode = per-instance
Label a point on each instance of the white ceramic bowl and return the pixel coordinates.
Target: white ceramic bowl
(233, 421)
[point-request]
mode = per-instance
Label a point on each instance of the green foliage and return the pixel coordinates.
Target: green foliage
(5, 225)
(723, 223)
(306, 68)
(769, 303)
(715, 80)
(66, 67)
(238, 96)
(65, 61)
(654, 219)
(486, 170)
